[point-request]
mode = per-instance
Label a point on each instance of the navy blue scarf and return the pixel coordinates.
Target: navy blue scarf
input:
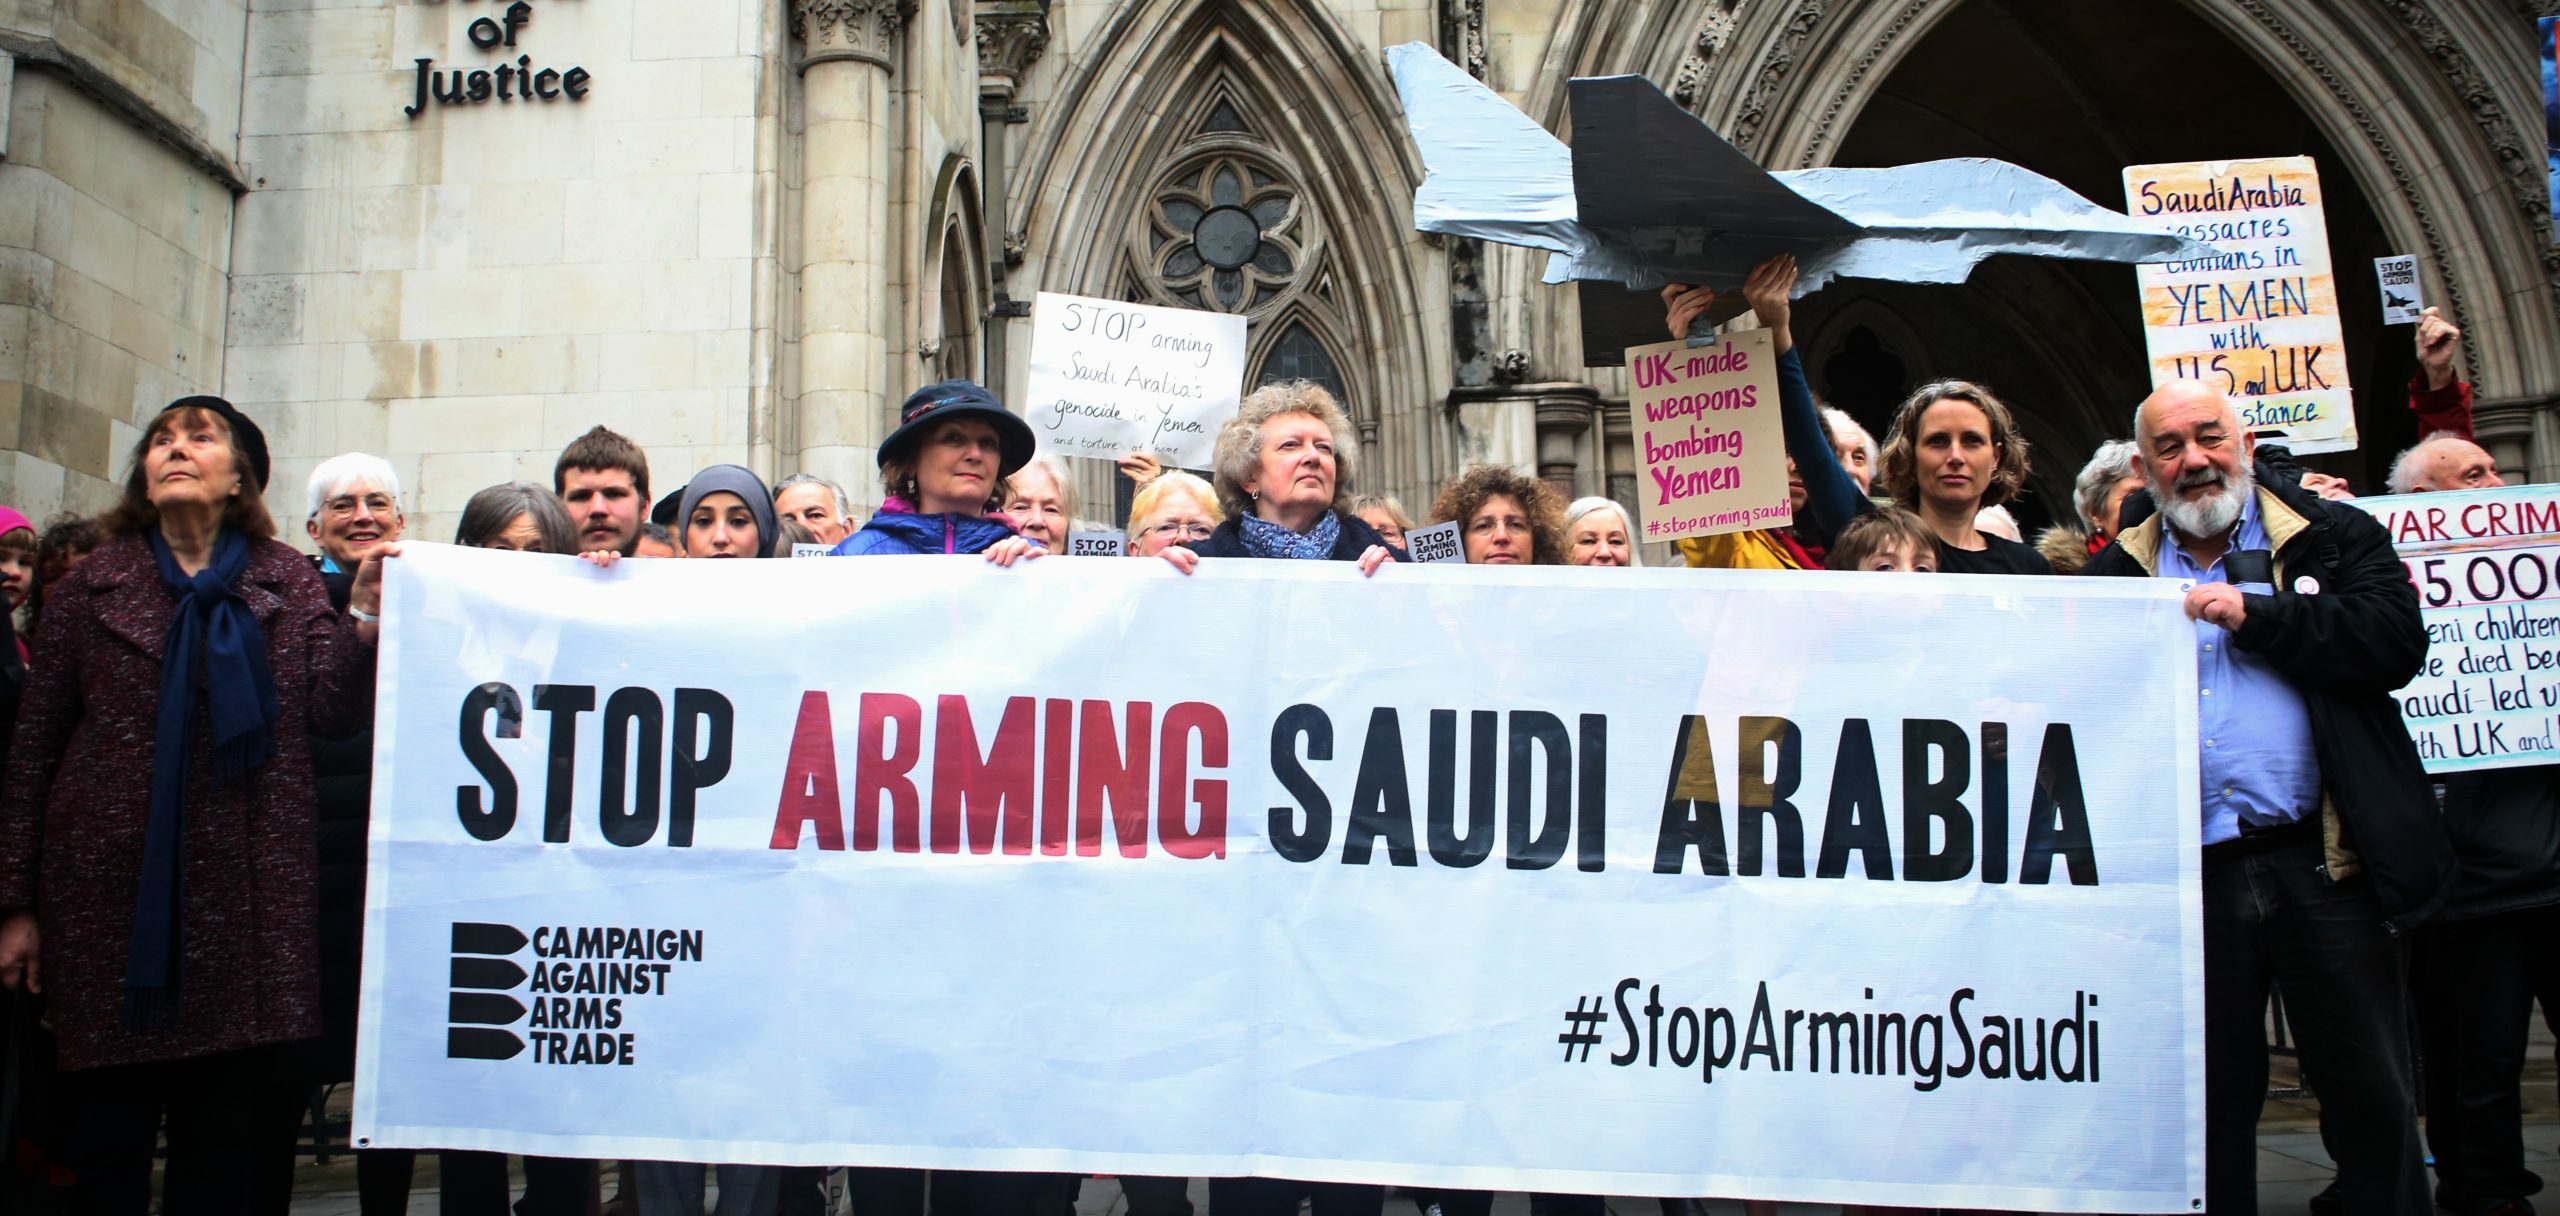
(217, 657)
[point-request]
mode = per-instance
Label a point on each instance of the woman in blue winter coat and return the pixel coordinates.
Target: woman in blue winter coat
(945, 469)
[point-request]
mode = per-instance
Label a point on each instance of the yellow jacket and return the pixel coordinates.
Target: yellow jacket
(1738, 551)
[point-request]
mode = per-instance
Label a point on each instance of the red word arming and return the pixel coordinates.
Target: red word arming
(1046, 779)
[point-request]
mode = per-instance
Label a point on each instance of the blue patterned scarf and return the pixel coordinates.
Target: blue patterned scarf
(1262, 538)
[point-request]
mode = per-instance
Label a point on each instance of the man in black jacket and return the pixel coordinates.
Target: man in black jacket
(2480, 968)
(2496, 948)
(2321, 842)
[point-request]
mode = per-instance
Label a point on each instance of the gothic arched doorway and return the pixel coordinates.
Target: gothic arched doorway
(2074, 90)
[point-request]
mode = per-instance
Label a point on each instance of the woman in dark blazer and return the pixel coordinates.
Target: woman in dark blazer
(158, 865)
(1284, 479)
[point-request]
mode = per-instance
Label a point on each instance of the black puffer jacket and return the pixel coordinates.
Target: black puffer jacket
(2505, 825)
(2343, 628)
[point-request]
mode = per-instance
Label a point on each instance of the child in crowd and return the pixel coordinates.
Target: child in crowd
(17, 567)
(17, 557)
(1889, 538)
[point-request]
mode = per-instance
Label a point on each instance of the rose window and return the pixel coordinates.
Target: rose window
(1226, 235)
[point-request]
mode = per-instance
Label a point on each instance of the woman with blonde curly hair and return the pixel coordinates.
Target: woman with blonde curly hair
(1951, 451)
(1505, 517)
(1174, 508)
(1283, 479)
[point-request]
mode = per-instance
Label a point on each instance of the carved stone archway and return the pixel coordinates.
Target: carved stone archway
(1312, 110)
(2420, 101)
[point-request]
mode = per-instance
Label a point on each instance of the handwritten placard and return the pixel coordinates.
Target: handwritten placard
(2259, 319)
(1437, 543)
(1108, 379)
(1097, 544)
(2487, 567)
(2402, 298)
(1707, 430)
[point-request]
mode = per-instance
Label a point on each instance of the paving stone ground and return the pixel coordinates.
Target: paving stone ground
(2292, 1167)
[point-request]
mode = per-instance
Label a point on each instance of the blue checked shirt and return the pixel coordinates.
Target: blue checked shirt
(2258, 764)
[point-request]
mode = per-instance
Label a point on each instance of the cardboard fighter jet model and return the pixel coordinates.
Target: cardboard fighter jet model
(1648, 195)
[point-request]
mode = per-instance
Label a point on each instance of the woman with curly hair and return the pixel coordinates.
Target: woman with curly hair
(1951, 451)
(1284, 466)
(1505, 517)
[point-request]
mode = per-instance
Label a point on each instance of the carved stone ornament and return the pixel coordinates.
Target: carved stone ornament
(2522, 170)
(1466, 36)
(1714, 30)
(865, 30)
(1772, 74)
(1511, 366)
(2524, 167)
(1012, 35)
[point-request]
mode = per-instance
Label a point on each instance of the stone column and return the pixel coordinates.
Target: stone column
(1564, 412)
(1618, 453)
(1012, 34)
(843, 409)
(2523, 433)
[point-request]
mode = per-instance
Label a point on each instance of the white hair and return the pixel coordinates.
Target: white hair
(2111, 463)
(2404, 467)
(1056, 467)
(844, 506)
(1997, 521)
(1585, 506)
(2214, 516)
(351, 470)
(1842, 426)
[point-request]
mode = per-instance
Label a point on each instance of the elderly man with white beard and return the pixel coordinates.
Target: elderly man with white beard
(2321, 841)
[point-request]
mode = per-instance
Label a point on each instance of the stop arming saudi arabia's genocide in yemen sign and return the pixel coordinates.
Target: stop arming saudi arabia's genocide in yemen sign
(1108, 378)
(1648, 923)
(2259, 318)
(1707, 429)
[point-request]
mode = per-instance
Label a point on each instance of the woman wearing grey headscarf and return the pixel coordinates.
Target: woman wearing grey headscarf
(726, 511)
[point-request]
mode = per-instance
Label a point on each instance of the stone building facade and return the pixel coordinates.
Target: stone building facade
(458, 232)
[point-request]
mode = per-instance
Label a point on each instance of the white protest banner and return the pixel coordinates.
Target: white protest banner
(1438, 543)
(812, 550)
(2402, 298)
(1708, 431)
(1108, 378)
(2260, 320)
(1634, 882)
(1097, 544)
(2487, 567)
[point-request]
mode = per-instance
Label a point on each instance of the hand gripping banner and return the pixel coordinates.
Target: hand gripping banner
(1826, 887)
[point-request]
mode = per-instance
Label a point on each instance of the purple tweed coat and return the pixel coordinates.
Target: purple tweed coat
(78, 793)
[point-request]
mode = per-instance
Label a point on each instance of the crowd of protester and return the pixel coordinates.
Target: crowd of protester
(184, 793)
